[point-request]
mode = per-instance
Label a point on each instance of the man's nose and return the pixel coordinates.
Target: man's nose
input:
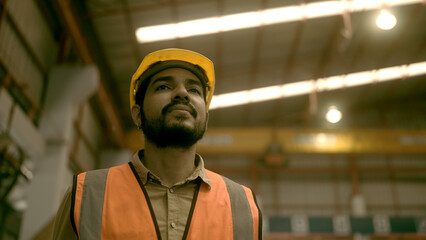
(181, 93)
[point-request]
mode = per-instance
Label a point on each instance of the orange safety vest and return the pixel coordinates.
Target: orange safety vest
(113, 204)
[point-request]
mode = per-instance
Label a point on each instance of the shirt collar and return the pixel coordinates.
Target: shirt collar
(145, 174)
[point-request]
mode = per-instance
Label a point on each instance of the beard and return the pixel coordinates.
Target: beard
(164, 134)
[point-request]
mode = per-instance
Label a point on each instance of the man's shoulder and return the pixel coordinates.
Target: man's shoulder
(103, 170)
(228, 181)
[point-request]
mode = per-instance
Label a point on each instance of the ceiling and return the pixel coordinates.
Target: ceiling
(271, 55)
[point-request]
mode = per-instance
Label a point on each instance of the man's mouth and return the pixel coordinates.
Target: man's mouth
(180, 107)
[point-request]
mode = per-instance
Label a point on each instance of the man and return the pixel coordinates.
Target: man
(164, 192)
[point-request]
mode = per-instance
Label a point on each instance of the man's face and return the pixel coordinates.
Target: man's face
(174, 111)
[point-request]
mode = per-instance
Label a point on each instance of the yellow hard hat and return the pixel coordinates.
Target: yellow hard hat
(169, 57)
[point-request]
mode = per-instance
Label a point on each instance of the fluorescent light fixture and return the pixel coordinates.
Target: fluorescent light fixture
(318, 85)
(386, 20)
(260, 18)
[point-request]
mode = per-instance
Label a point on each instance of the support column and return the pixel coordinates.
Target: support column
(69, 86)
(358, 204)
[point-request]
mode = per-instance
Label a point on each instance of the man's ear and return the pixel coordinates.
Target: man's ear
(136, 115)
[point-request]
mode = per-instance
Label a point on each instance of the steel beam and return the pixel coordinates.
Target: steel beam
(131, 32)
(141, 8)
(230, 141)
(103, 96)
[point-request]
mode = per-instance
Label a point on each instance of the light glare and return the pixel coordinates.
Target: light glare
(284, 14)
(319, 85)
(297, 88)
(155, 33)
(196, 27)
(386, 20)
(265, 17)
(333, 115)
(239, 21)
(264, 94)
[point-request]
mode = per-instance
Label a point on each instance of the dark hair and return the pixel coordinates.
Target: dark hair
(140, 93)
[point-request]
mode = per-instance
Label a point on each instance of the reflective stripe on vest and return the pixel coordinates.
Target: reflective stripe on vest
(241, 212)
(123, 207)
(108, 205)
(93, 197)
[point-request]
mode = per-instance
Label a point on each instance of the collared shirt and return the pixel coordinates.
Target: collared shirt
(171, 205)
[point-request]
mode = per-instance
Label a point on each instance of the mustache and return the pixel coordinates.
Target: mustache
(193, 112)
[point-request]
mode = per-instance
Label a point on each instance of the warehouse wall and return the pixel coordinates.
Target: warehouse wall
(30, 122)
(315, 186)
(27, 48)
(323, 184)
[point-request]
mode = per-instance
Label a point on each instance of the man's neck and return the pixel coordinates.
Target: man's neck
(171, 165)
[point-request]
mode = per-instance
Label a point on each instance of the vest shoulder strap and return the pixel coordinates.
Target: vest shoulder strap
(242, 219)
(89, 191)
(109, 204)
(246, 216)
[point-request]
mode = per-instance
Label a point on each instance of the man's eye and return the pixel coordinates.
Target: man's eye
(162, 87)
(195, 90)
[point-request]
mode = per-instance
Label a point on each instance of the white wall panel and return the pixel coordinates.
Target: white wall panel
(339, 161)
(28, 137)
(319, 192)
(377, 193)
(265, 191)
(371, 161)
(411, 193)
(345, 191)
(409, 161)
(292, 192)
(6, 103)
(331, 193)
(309, 161)
(90, 126)
(34, 29)
(18, 61)
(21, 129)
(84, 157)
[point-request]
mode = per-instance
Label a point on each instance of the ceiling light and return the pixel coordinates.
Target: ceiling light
(318, 85)
(333, 115)
(386, 20)
(260, 18)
